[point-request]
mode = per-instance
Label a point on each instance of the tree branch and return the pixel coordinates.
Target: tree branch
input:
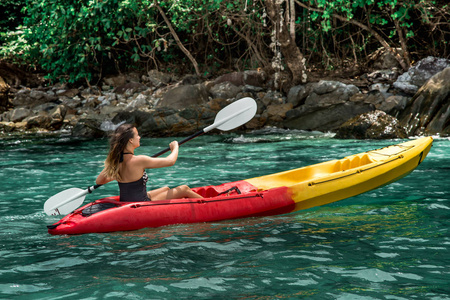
(380, 39)
(177, 39)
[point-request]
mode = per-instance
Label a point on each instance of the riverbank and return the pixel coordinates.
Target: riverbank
(379, 104)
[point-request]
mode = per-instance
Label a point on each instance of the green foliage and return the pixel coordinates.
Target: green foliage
(10, 17)
(10, 14)
(81, 40)
(72, 40)
(397, 22)
(77, 40)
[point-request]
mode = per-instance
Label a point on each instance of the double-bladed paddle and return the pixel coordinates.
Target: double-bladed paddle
(230, 117)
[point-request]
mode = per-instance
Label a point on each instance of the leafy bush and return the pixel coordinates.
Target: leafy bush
(82, 40)
(10, 14)
(10, 17)
(85, 40)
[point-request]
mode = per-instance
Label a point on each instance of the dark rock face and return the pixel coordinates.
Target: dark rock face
(324, 106)
(183, 96)
(371, 125)
(250, 77)
(161, 105)
(88, 128)
(324, 118)
(428, 112)
(410, 81)
(224, 90)
(167, 121)
(32, 98)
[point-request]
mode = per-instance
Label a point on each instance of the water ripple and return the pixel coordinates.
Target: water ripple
(390, 243)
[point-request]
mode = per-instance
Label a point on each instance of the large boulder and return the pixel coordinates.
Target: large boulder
(393, 105)
(428, 112)
(333, 92)
(67, 93)
(250, 77)
(225, 90)
(382, 59)
(157, 78)
(19, 114)
(328, 105)
(184, 96)
(163, 121)
(322, 93)
(48, 117)
(89, 127)
(372, 125)
(42, 121)
(327, 118)
(297, 94)
(32, 97)
(410, 81)
(277, 112)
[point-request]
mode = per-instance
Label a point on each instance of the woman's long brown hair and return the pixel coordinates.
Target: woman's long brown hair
(117, 143)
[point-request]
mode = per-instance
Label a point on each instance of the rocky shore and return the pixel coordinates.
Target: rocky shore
(381, 104)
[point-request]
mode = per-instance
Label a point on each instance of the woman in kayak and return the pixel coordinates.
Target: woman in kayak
(129, 170)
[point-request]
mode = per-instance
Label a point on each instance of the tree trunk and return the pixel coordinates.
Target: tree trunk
(292, 19)
(4, 95)
(291, 53)
(401, 37)
(177, 39)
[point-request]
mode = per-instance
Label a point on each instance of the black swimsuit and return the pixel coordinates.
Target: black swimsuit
(134, 191)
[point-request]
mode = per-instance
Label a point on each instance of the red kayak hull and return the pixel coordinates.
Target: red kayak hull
(125, 216)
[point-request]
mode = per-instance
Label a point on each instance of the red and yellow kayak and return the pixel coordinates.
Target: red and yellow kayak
(272, 194)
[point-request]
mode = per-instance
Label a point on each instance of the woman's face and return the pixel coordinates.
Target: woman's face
(136, 140)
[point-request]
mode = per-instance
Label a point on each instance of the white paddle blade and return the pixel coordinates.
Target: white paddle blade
(65, 202)
(234, 115)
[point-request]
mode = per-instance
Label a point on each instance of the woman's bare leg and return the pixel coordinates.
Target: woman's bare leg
(153, 194)
(182, 191)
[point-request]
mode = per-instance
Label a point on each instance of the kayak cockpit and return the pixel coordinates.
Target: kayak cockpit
(237, 187)
(351, 162)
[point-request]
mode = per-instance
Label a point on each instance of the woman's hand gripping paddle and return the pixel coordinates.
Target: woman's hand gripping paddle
(233, 115)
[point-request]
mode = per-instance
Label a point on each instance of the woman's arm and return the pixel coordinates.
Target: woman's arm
(102, 179)
(160, 162)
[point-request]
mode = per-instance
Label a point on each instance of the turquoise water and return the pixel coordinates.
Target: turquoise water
(391, 243)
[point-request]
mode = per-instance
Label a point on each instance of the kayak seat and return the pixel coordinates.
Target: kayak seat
(355, 162)
(345, 165)
(360, 160)
(337, 166)
(352, 162)
(365, 160)
(206, 192)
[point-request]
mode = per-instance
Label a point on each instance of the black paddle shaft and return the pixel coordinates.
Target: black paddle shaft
(180, 143)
